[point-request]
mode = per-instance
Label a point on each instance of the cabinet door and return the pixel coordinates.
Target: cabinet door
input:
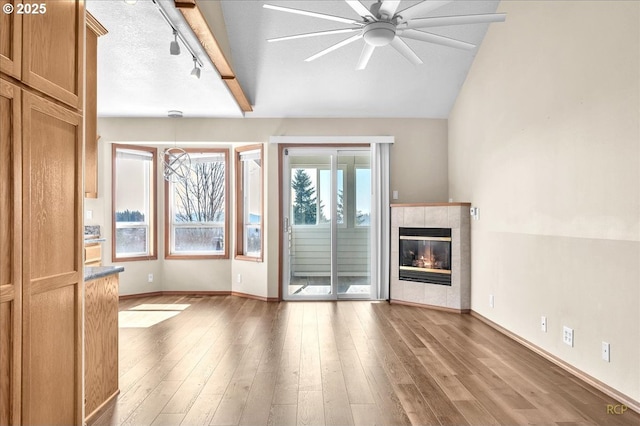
(52, 50)
(52, 267)
(101, 342)
(94, 30)
(10, 254)
(11, 42)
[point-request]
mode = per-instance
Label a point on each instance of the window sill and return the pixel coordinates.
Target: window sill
(255, 259)
(134, 259)
(195, 256)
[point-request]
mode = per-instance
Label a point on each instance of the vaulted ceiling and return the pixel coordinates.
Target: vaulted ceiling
(137, 77)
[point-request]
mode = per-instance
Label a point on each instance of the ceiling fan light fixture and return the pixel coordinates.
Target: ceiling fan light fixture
(174, 47)
(379, 33)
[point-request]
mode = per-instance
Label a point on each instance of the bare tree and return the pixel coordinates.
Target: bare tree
(200, 198)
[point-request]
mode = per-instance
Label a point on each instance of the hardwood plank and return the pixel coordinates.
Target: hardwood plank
(355, 378)
(416, 407)
(475, 413)
(234, 399)
(282, 415)
(366, 415)
(149, 409)
(337, 410)
(310, 373)
(168, 420)
(258, 406)
(386, 398)
(310, 409)
(202, 411)
(338, 363)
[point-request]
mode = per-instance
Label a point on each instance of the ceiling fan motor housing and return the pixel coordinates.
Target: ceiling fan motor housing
(379, 33)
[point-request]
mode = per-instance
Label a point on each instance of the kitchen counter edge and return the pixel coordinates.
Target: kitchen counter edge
(94, 272)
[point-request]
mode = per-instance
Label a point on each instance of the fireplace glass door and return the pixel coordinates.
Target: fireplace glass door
(425, 255)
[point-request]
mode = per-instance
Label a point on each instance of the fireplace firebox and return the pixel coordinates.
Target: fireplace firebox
(425, 255)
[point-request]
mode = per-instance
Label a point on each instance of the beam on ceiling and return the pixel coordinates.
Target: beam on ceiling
(198, 24)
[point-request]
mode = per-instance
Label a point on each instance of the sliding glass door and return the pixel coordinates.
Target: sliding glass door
(327, 205)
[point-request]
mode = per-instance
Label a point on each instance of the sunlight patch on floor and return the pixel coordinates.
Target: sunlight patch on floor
(161, 307)
(143, 319)
(149, 314)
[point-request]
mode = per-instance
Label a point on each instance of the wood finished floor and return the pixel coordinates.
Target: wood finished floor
(232, 361)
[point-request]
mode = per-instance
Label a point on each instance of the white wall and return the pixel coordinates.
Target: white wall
(418, 172)
(544, 138)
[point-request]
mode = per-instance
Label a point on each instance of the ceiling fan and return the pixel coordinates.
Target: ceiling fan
(382, 25)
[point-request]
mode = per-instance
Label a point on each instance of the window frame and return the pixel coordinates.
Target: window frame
(152, 215)
(168, 225)
(239, 202)
(318, 169)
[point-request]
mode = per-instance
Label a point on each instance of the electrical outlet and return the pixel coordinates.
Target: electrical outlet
(475, 213)
(543, 323)
(567, 335)
(395, 195)
(88, 214)
(239, 278)
(491, 301)
(606, 351)
(150, 278)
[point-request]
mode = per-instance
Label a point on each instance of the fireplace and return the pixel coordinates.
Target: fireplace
(425, 255)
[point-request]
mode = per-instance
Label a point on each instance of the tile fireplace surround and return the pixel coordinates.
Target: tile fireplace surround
(457, 296)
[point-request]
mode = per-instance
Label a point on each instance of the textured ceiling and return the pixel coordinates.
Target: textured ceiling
(138, 77)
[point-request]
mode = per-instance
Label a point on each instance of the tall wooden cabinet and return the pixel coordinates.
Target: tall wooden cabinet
(41, 199)
(94, 30)
(10, 254)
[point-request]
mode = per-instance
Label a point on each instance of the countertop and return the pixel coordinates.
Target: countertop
(94, 240)
(93, 272)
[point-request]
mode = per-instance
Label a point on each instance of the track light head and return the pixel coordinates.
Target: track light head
(174, 47)
(195, 72)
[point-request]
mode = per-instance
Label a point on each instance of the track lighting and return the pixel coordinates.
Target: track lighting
(174, 48)
(196, 70)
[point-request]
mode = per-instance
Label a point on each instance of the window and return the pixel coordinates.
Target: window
(134, 194)
(249, 210)
(363, 196)
(195, 208)
(311, 195)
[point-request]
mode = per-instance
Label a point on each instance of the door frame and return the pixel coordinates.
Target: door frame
(330, 149)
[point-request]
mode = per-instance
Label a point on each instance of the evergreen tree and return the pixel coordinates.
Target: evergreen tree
(129, 216)
(304, 203)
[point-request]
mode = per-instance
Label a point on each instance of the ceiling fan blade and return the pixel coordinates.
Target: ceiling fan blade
(367, 50)
(422, 8)
(334, 47)
(389, 8)
(405, 50)
(442, 21)
(361, 9)
(317, 33)
(312, 14)
(437, 39)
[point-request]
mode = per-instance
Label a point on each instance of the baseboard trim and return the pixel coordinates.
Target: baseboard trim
(602, 387)
(95, 415)
(254, 297)
(198, 293)
(433, 307)
(195, 293)
(138, 295)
